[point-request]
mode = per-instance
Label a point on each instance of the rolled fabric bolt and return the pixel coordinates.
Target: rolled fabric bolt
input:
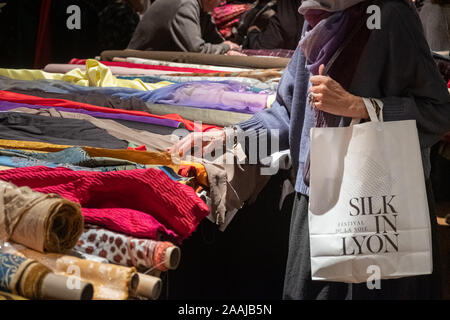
(125, 250)
(149, 287)
(43, 222)
(110, 282)
(172, 258)
(33, 280)
(10, 296)
(55, 286)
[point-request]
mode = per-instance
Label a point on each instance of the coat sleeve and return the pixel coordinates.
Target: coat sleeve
(413, 87)
(270, 38)
(187, 33)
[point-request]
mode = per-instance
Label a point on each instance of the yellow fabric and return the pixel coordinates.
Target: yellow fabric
(270, 100)
(142, 157)
(202, 175)
(95, 75)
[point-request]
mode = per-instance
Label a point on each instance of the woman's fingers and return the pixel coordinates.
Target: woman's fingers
(321, 69)
(316, 80)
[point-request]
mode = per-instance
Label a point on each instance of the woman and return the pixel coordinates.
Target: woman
(339, 61)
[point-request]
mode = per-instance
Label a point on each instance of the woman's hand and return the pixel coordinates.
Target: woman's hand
(329, 96)
(235, 53)
(208, 141)
(233, 46)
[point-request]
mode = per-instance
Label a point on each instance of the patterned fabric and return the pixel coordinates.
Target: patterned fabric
(124, 250)
(227, 15)
(10, 266)
(280, 53)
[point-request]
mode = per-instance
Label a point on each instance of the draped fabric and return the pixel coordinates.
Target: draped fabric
(95, 75)
(22, 98)
(6, 106)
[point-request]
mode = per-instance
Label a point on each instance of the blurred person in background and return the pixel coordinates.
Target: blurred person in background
(435, 16)
(180, 25)
(283, 31)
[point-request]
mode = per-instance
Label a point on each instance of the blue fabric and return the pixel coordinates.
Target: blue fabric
(75, 159)
(9, 265)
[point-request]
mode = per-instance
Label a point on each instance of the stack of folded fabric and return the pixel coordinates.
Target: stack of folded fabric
(227, 15)
(88, 140)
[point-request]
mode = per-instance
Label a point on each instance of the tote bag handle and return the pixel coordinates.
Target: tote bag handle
(371, 111)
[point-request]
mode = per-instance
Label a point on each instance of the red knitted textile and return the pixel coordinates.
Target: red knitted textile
(134, 192)
(27, 99)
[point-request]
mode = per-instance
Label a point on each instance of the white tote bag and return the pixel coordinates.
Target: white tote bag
(368, 209)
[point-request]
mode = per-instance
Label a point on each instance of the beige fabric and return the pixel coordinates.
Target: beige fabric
(211, 116)
(27, 217)
(200, 58)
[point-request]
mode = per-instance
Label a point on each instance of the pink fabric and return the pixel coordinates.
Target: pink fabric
(126, 201)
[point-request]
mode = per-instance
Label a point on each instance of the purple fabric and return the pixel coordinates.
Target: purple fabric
(321, 42)
(5, 106)
(225, 95)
